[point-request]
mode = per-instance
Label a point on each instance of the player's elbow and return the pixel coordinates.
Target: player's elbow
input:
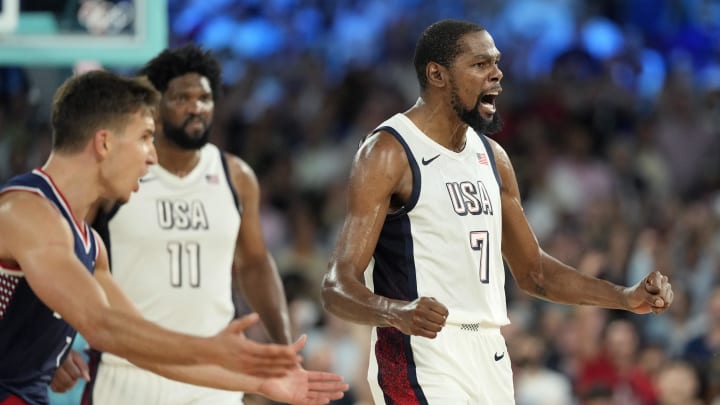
(329, 292)
(97, 331)
(98, 338)
(533, 280)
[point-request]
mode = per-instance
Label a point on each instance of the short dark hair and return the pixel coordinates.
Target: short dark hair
(95, 100)
(439, 43)
(172, 63)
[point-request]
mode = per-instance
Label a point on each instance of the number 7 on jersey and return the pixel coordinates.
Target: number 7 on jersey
(479, 241)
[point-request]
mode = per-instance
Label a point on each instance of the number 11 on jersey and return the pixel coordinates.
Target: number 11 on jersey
(190, 265)
(479, 241)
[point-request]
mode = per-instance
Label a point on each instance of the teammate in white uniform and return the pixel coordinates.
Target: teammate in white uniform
(173, 248)
(171, 251)
(433, 208)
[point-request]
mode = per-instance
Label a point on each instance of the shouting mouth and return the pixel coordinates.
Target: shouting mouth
(487, 101)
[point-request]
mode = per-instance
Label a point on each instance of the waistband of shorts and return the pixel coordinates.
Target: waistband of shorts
(469, 322)
(478, 327)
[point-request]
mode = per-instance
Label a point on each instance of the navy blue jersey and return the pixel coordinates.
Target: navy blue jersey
(34, 340)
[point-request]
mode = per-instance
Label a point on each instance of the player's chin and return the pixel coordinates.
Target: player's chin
(124, 198)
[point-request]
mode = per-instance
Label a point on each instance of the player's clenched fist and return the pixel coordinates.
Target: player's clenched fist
(423, 317)
(652, 294)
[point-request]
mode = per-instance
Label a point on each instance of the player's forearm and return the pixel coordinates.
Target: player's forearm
(127, 335)
(350, 300)
(204, 375)
(562, 284)
(264, 292)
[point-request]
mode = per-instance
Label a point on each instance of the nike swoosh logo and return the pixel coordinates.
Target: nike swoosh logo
(146, 179)
(428, 161)
(499, 357)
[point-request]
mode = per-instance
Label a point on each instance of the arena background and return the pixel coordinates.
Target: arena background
(612, 112)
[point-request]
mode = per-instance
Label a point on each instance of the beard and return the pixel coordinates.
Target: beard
(472, 116)
(179, 136)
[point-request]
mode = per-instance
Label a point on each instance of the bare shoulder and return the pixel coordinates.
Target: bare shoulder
(21, 207)
(381, 151)
(240, 172)
(501, 156)
(28, 220)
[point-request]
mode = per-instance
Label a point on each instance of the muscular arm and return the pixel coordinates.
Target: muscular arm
(543, 276)
(42, 245)
(380, 171)
(259, 278)
(301, 386)
(297, 387)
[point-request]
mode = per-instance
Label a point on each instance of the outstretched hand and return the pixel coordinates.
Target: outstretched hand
(67, 375)
(301, 387)
(262, 360)
(652, 294)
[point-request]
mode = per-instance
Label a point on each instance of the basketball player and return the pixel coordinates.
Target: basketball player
(173, 245)
(433, 209)
(54, 276)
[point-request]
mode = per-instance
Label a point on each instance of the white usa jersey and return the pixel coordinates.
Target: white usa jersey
(172, 246)
(445, 242)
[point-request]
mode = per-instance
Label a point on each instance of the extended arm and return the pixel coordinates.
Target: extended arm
(259, 278)
(43, 247)
(543, 276)
(279, 383)
(380, 172)
(254, 362)
(296, 387)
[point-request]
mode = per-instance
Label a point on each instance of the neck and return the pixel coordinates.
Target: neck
(439, 123)
(174, 159)
(78, 185)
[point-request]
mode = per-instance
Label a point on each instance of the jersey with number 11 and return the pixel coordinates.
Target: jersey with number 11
(172, 246)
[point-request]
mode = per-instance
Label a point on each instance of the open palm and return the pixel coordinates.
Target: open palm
(301, 387)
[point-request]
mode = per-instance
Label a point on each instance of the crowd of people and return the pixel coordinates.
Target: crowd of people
(616, 180)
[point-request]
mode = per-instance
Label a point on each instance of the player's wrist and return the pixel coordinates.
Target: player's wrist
(389, 312)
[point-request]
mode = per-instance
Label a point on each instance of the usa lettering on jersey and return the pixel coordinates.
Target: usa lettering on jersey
(181, 214)
(468, 197)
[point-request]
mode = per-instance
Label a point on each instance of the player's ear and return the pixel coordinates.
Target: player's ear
(101, 143)
(436, 74)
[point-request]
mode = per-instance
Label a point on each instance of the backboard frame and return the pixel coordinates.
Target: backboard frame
(150, 37)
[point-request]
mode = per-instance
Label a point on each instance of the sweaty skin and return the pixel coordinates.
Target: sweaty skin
(381, 182)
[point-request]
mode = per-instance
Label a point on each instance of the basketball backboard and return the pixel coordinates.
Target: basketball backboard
(64, 32)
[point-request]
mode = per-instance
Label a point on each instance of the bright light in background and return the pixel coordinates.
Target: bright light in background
(602, 38)
(547, 27)
(652, 73)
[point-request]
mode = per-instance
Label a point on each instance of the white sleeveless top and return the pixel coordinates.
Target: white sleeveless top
(172, 246)
(445, 242)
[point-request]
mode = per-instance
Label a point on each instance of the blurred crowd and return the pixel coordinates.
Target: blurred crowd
(612, 121)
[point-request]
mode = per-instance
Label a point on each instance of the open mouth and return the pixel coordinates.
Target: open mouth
(488, 99)
(487, 103)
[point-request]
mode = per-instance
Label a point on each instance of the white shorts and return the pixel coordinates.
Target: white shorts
(123, 383)
(464, 364)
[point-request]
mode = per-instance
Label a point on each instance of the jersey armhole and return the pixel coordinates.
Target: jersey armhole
(223, 159)
(414, 169)
(491, 155)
